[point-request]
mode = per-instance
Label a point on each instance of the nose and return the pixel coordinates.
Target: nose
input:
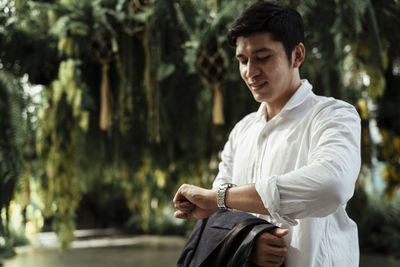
(253, 69)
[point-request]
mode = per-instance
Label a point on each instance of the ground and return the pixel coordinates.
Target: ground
(110, 248)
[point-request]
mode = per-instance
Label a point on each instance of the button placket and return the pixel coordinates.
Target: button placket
(262, 146)
(253, 171)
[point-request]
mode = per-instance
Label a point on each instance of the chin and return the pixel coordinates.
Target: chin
(259, 98)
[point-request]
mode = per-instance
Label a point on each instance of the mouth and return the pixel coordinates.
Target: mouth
(257, 86)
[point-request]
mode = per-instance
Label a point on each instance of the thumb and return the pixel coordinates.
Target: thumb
(279, 232)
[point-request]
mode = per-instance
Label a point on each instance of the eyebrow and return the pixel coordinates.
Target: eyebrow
(256, 52)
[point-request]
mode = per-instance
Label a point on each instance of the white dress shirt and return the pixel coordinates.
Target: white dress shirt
(304, 163)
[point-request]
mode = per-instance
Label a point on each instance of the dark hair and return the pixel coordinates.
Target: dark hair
(283, 23)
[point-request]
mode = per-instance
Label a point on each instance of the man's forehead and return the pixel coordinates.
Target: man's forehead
(255, 51)
(254, 45)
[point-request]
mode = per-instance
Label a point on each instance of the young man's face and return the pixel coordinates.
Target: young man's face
(265, 68)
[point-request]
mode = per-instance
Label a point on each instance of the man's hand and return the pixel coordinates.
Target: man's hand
(194, 202)
(270, 249)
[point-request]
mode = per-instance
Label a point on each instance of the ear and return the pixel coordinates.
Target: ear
(298, 55)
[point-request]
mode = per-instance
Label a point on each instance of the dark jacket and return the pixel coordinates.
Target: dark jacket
(224, 239)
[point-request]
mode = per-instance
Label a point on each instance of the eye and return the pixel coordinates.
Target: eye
(242, 60)
(264, 58)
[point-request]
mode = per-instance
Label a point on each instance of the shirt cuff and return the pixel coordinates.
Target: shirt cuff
(270, 197)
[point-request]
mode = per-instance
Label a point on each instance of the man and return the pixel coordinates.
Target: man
(295, 161)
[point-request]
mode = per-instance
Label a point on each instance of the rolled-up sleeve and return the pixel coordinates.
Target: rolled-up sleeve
(327, 181)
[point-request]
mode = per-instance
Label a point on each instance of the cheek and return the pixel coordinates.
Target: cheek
(275, 72)
(242, 70)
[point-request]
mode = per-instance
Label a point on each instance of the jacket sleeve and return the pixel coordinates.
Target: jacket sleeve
(327, 181)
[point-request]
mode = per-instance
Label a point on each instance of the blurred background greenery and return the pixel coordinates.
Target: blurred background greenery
(107, 106)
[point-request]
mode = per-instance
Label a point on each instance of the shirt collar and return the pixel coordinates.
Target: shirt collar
(297, 99)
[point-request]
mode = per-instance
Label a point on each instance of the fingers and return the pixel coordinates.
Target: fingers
(182, 215)
(279, 232)
(194, 202)
(196, 213)
(275, 251)
(268, 260)
(181, 203)
(270, 248)
(179, 196)
(271, 240)
(270, 264)
(184, 206)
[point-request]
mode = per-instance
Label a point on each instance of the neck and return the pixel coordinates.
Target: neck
(273, 108)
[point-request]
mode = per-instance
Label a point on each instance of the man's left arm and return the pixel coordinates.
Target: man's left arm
(315, 190)
(195, 202)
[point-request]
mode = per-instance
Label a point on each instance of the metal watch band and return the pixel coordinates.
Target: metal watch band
(221, 195)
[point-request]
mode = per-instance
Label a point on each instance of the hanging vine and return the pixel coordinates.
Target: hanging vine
(11, 125)
(152, 62)
(211, 67)
(205, 50)
(104, 55)
(61, 120)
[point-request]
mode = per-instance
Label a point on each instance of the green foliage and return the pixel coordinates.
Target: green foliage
(377, 221)
(11, 105)
(388, 115)
(60, 122)
(390, 152)
(6, 251)
(206, 26)
(161, 60)
(22, 40)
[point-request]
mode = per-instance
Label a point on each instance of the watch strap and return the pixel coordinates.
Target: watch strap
(221, 195)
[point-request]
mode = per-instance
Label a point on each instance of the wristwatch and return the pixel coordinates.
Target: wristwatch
(222, 194)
